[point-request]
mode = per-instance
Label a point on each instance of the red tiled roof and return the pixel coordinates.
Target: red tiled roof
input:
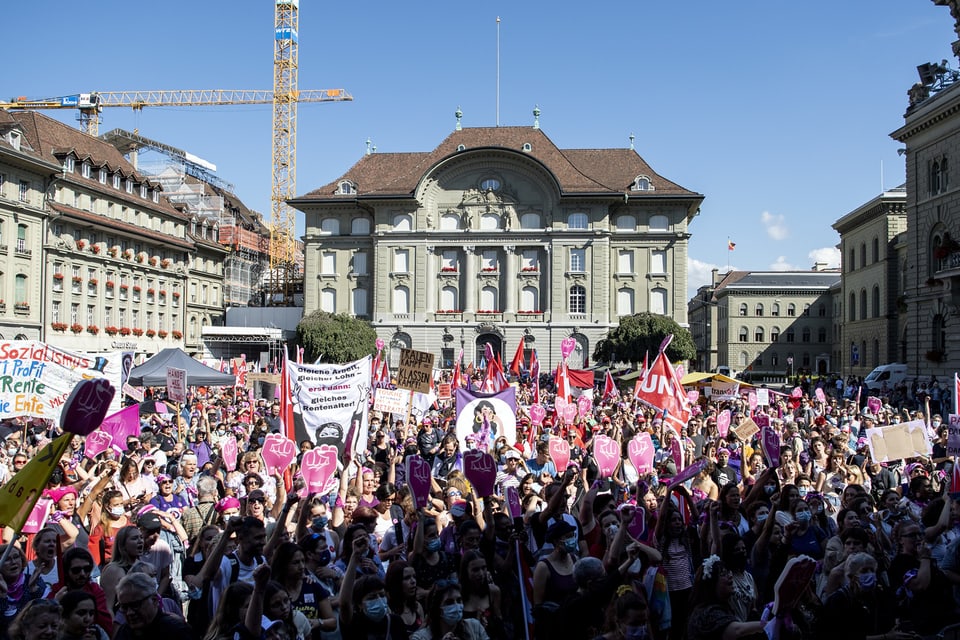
(577, 170)
(132, 229)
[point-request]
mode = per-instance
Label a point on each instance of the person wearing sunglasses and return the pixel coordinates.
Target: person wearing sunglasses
(138, 600)
(78, 567)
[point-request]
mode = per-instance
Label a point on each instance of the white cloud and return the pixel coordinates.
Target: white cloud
(829, 255)
(782, 265)
(699, 274)
(776, 225)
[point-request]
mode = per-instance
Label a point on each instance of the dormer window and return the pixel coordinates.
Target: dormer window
(14, 139)
(116, 181)
(85, 169)
(346, 188)
(527, 147)
(143, 191)
(103, 176)
(641, 183)
(155, 195)
(69, 164)
(129, 185)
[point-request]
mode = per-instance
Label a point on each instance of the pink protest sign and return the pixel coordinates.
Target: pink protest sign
(418, 479)
(796, 393)
(820, 395)
(537, 414)
(379, 344)
(723, 423)
(513, 502)
(318, 466)
(640, 450)
(637, 526)
(96, 443)
(770, 442)
(87, 406)
(584, 405)
(606, 451)
(567, 345)
(559, 404)
(752, 399)
(278, 452)
(676, 452)
(761, 420)
(481, 471)
(688, 473)
(229, 451)
(793, 582)
(693, 396)
(559, 453)
(570, 413)
(874, 405)
(681, 371)
(38, 516)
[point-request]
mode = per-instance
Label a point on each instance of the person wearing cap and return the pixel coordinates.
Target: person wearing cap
(166, 499)
(511, 472)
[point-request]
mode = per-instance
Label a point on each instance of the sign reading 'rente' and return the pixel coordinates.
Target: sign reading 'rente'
(415, 371)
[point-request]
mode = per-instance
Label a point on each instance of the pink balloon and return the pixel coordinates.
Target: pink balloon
(559, 453)
(607, 453)
(96, 443)
(318, 465)
(481, 470)
(537, 414)
(569, 413)
(278, 452)
(640, 450)
(567, 345)
(229, 451)
(723, 423)
(418, 479)
(584, 405)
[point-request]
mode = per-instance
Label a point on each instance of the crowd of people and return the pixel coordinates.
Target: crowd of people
(160, 539)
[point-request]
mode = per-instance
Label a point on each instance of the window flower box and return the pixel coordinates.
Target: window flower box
(77, 279)
(124, 287)
(125, 331)
(92, 328)
(151, 333)
(76, 327)
(113, 251)
(58, 276)
(166, 262)
(95, 248)
(110, 284)
(58, 326)
(93, 281)
(81, 244)
(141, 257)
(21, 306)
(163, 292)
(128, 254)
(488, 311)
(136, 288)
(176, 294)
(151, 291)
(533, 269)
(137, 332)
(111, 330)
(448, 270)
(162, 333)
(154, 261)
(489, 270)
(530, 313)
(177, 335)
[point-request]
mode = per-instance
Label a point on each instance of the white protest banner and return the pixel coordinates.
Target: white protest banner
(333, 401)
(176, 384)
(133, 392)
(391, 401)
(763, 397)
(720, 390)
(953, 435)
(36, 378)
(899, 441)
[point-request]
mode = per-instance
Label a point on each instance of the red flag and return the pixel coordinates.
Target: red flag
(609, 388)
(457, 382)
(495, 380)
(517, 363)
(563, 382)
(661, 389)
(286, 399)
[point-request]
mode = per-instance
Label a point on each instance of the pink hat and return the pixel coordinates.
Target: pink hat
(57, 494)
(227, 503)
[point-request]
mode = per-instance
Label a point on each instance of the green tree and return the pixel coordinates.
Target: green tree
(335, 338)
(643, 333)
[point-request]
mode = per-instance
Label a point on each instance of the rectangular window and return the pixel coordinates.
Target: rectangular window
(68, 164)
(85, 170)
(448, 261)
(55, 311)
(529, 259)
(578, 260)
(578, 299)
(658, 262)
(401, 261)
(74, 313)
(116, 181)
(129, 185)
(360, 263)
(103, 176)
(328, 263)
(108, 316)
(625, 261)
(488, 261)
(143, 191)
(91, 314)
(24, 191)
(3, 184)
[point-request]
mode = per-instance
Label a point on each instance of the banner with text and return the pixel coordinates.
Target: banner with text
(36, 378)
(333, 400)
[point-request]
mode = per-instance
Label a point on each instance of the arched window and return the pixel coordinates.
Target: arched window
(876, 301)
(626, 223)
(328, 300)
(744, 334)
(790, 334)
(641, 183)
(775, 310)
(658, 301)
(531, 221)
(625, 302)
(744, 359)
(876, 250)
(791, 310)
(853, 259)
(863, 254)
(659, 223)
(346, 188)
(805, 334)
(863, 305)
(577, 221)
(360, 302)
(529, 299)
(401, 300)
(853, 306)
(403, 222)
(578, 299)
(449, 222)
(360, 226)
(743, 309)
(488, 299)
(448, 299)
(330, 226)
(758, 334)
(489, 222)
(759, 309)
(774, 334)
(939, 327)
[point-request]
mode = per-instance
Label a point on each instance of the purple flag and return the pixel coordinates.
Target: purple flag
(123, 423)
(486, 416)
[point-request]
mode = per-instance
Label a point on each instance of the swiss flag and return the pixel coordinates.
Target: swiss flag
(609, 388)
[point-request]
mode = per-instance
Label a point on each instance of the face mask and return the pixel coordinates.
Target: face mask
(612, 530)
(260, 440)
(635, 633)
(803, 491)
(867, 580)
(571, 545)
(452, 613)
(820, 508)
(761, 518)
(803, 516)
(433, 545)
(320, 522)
(457, 510)
(12, 451)
(194, 593)
(116, 512)
(769, 489)
(375, 609)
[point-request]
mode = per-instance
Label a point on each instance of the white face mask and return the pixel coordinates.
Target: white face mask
(116, 511)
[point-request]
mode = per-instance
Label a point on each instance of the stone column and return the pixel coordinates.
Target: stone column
(430, 279)
(469, 279)
(511, 270)
(546, 286)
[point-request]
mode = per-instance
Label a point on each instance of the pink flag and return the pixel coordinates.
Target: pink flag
(123, 424)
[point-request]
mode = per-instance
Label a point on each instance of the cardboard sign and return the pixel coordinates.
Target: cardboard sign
(318, 466)
(96, 443)
(537, 414)
(606, 451)
(899, 441)
(415, 370)
(444, 391)
(228, 449)
(770, 443)
(688, 473)
(389, 401)
(953, 439)
(723, 423)
(176, 384)
(763, 397)
(278, 452)
(133, 392)
(418, 479)
(559, 453)
(746, 430)
(481, 470)
(640, 451)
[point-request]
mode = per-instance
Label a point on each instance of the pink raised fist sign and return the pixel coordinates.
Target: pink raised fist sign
(481, 471)
(278, 452)
(418, 479)
(559, 453)
(229, 451)
(96, 443)
(567, 345)
(570, 413)
(537, 414)
(584, 405)
(640, 451)
(318, 467)
(607, 453)
(770, 442)
(723, 423)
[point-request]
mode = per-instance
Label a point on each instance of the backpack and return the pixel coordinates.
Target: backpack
(235, 565)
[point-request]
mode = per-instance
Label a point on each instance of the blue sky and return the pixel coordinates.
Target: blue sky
(778, 113)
